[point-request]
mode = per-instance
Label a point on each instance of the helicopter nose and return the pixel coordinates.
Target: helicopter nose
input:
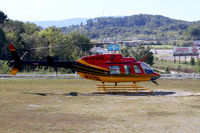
(155, 76)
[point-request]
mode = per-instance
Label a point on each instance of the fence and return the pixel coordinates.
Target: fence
(76, 76)
(180, 76)
(40, 76)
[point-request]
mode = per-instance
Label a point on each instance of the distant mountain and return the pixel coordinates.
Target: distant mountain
(120, 28)
(130, 27)
(61, 23)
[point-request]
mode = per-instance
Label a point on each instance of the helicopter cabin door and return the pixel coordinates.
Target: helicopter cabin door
(137, 69)
(127, 69)
(120, 69)
(115, 69)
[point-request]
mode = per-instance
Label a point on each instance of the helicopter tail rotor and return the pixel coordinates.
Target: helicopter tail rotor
(16, 62)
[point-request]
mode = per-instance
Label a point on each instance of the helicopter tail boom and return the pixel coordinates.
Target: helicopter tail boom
(16, 63)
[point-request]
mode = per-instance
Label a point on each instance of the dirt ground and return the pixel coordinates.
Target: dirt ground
(33, 106)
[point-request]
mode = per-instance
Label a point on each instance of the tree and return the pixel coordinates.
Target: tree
(197, 66)
(150, 59)
(47, 38)
(2, 38)
(80, 40)
(2, 17)
(2, 42)
(13, 31)
(192, 61)
(61, 46)
(194, 32)
(50, 34)
(125, 52)
(31, 28)
(167, 70)
(25, 36)
(179, 69)
(141, 52)
(14, 26)
(4, 68)
(198, 61)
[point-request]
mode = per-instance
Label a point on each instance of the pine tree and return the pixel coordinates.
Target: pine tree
(192, 61)
(139, 53)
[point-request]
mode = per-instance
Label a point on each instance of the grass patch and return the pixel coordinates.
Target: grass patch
(182, 67)
(161, 47)
(23, 110)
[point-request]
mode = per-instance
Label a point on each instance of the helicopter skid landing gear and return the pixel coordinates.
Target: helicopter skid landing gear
(122, 88)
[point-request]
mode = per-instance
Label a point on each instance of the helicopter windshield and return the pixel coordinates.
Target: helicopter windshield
(147, 69)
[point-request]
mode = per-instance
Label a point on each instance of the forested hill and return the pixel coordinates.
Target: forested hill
(132, 26)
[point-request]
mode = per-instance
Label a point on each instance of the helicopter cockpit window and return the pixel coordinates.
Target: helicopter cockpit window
(147, 69)
(114, 69)
(137, 69)
(127, 69)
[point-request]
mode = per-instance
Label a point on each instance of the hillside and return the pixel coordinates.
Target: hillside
(129, 27)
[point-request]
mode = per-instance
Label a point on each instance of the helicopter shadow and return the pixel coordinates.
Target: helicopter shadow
(154, 93)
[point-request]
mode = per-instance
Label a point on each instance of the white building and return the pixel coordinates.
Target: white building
(99, 50)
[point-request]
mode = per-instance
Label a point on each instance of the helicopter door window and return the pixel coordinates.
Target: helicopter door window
(127, 69)
(137, 69)
(114, 69)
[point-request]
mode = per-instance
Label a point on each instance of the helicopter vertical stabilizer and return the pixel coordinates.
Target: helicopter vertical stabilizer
(16, 60)
(142, 60)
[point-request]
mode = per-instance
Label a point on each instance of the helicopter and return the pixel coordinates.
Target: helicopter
(104, 68)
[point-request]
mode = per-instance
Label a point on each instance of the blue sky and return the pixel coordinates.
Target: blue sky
(28, 10)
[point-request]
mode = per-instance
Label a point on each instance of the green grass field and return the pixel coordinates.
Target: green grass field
(41, 106)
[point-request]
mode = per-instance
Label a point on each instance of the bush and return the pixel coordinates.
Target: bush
(167, 70)
(192, 61)
(4, 68)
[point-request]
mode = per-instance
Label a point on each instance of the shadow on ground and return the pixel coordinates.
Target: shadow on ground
(155, 93)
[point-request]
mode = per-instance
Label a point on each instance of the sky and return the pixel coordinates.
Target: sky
(39, 10)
